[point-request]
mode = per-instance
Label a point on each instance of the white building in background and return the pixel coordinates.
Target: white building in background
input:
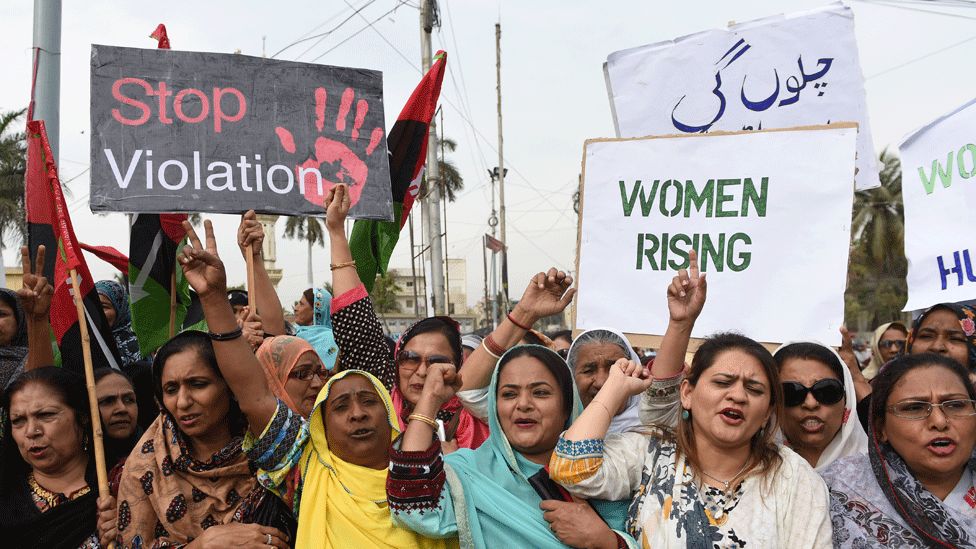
(457, 286)
(411, 298)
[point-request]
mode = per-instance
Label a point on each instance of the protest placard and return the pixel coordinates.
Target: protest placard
(177, 131)
(769, 213)
(778, 72)
(937, 164)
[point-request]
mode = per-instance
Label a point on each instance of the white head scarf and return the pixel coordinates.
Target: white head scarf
(627, 420)
(851, 439)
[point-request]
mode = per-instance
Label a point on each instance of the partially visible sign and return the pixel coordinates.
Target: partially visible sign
(176, 131)
(769, 213)
(778, 72)
(938, 174)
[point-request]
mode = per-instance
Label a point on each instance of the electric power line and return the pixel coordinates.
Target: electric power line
(326, 33)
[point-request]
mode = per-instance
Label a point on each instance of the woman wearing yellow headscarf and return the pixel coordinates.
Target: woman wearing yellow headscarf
(334, 467)
(331, 468)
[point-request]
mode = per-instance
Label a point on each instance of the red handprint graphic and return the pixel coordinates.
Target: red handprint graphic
(336, 161)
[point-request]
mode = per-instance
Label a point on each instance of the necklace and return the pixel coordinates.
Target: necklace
(726, 483)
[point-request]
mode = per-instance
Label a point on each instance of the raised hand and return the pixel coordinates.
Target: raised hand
(628, 377)
(35, 295)
(202, 266)
(686, 293)
(442, 383)
(250, 233)
(252, 327)
(337, 204)
(547, 294)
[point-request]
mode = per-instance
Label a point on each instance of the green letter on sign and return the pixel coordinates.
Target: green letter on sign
(944, 174)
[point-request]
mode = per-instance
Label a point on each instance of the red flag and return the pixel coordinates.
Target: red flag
(49, 224)
(493, 244)
(109, 255)
(372, 242)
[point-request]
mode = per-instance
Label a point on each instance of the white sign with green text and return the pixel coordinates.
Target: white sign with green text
(938, 185)
(769, 213)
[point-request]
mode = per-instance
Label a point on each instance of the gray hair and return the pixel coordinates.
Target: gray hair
(595, 337)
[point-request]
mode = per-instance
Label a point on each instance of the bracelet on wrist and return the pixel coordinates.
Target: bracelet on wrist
(517, 323)
(423, 419)
(493, 348)
(334, 266)
(487, 350)
(227, 336)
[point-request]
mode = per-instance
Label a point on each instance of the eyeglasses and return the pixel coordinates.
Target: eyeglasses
(885, 343)
(305, 374)
(919, 409)
(411, 360)
(826, 391)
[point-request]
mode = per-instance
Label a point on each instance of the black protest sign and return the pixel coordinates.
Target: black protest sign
(176, 131)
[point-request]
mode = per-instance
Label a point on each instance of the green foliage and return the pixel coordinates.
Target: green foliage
(876, 289)
(13, 168)
(384, 294)
(451, 181)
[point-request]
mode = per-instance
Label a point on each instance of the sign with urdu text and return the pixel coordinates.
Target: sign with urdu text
(777, 72)
(938, 174)
(177, 131)
(769, 213)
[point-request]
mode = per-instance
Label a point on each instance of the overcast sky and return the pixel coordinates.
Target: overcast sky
(917, 67)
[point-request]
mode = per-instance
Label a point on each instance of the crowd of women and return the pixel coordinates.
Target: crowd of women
(323, 433)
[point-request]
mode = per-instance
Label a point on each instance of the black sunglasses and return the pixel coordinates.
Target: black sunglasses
(826, 391)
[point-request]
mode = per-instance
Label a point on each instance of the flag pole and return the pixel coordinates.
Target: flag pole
(90, 384)
(172, 304)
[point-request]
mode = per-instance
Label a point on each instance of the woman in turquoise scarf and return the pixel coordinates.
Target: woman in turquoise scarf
(490, 497)
(319, 332)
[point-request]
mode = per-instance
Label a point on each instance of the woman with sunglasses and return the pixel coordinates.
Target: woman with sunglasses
(915, 488)
(818, 422)
(887, 343)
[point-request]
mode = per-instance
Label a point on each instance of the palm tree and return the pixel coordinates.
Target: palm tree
(306, 228)
(876, 289)
(13, 168)
(384, 294)
(879, 215)
(451, 181)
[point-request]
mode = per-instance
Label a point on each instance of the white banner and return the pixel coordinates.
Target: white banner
(938, 174)
(769, 213)
(778, 72)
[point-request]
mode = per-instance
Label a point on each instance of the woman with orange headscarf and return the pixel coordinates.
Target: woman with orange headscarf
(294, 371)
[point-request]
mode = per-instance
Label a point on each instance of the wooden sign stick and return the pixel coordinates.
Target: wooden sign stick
(96, 419)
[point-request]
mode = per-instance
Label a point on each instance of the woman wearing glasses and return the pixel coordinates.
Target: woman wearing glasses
(819, 421)
(294, 371)
(915, 488)
(887, 343)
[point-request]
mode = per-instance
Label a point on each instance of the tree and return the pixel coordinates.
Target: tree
(13, 168)
(310, 230)
(384, 294)
(876, 288)
(450, 182)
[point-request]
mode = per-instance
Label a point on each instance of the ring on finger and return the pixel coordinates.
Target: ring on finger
(269, 540)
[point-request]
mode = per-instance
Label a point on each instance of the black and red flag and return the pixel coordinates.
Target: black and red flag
(49, 224)
(372, 242)
(154, 240)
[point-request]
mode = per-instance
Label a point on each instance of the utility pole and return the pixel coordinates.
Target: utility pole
(430, 207)
(501, 161)
(47, 55)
